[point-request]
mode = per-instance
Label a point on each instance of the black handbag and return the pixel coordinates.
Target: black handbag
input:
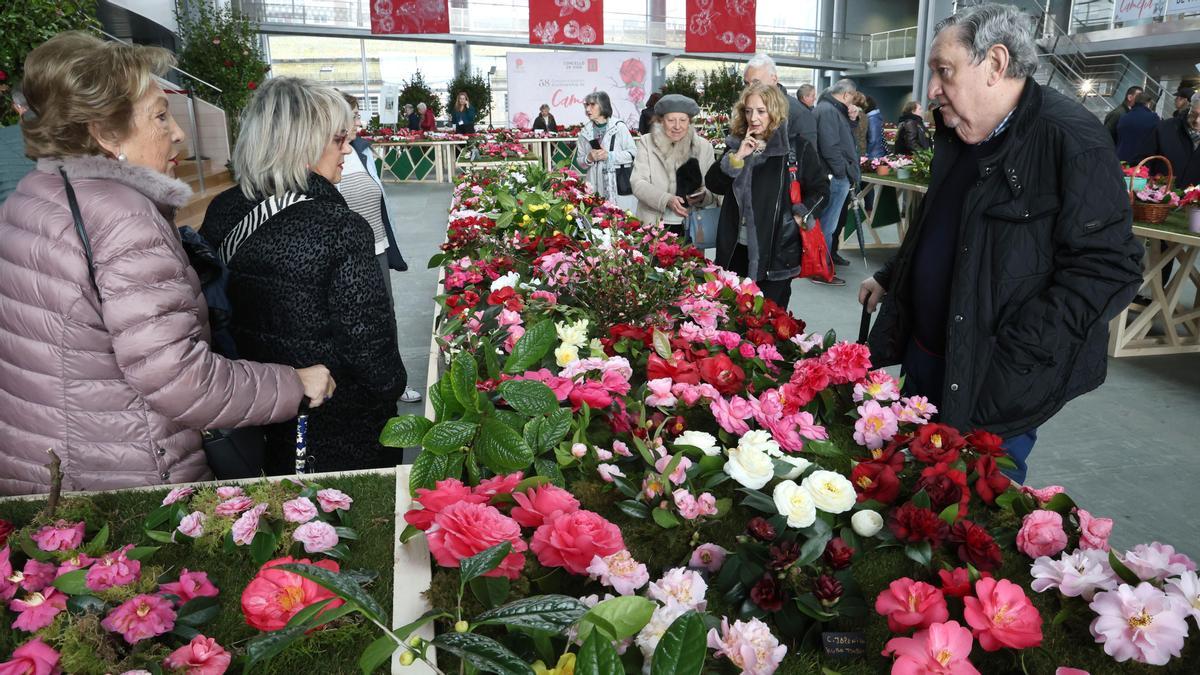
(623, 173)
(231, 453)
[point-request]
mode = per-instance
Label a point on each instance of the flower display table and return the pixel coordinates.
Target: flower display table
(878, 201)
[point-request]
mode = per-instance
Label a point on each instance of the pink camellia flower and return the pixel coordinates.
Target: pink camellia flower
(229, 492)
(579, 450)
(192, 524)
(37, 610)
(911, 604)
(316, 535)
(1186, 590)
(32, 658)
(1064, 670)
(1001, 616)
(878, 386)
(231, 507)
(1045, 494)
(299, 510)
(331, 499)
(847, 362)
(876, 425)
(190, 585)
(679, 475)
(1156, 562)
(498, 485)
(141, 617)
(609, 471)
(539, 504)
(201, 656)
(620, 571)
(76, 562)
(461, 530)
(1078, 575)
(691, 507)
(177, 494)
(1042, 534)
(571, 540)
(113, 569)
(1093, 531)
(681, 588)
(38, 575)
(1143, 624)
(708, 557)
(941, 649)
(444, 493)
(246, 526)
(748, 645)
(731, 413)
(659, 393)
(274, 596)
(61, 536)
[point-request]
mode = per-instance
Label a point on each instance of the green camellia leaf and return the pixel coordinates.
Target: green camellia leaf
(681, 650)
(141, 552)
(340, 584)
(483, 562)
(464, 373)
(198, 611)
(949, 514)
(162, 537)
(621, 617)
(597, 657)
(446, 437)
(405, 431)
(546, 613)
(529, 397)
(376, 654)
(537, 341)
(95, 547)
(921, 553)
(501, 449)
(484, 653)
(1122, 570)
(72, 583)
(491, 591)
(814, 548)
(662, 343)
(1060, 503)
(921, 500)
(262, 547)
(634, 508)
(427, 469)
(664, 518)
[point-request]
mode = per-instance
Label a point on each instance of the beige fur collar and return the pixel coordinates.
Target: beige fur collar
(673, 154)
(159, 188)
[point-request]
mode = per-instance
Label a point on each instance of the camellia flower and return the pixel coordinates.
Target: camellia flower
(229, 492)
(331, 500)
(1093, 531)
(540, 503)
(876, 425)
(975, 545)
(796, 503)
(61, 536)
(748, 645)
(190, 585)
(708, 557)
(620, 571)
(731, 413)
(317, 536)
(32, 658)
(909, 604)
(937, 444)
(192, 524)
(114, 569)
(942, 649)
(498, 485)
(847, 362)
(299, 510)
(680, 586)
(831, 491)
(141, 617)
(691, 507)
(649, 636)
(750, 466)
(1042, 534)
(700, 440)
(464, 529)
(178, 494)
(1156, 562)
(878, 386)
(37, 610)
(445, 493)
(866, 523)
(1186, 590)
(875, 480)
(571, 540)
(912, 524)
(838, 553)
(1143, 624)
(565, 666)
(609, 471)
(201, 656)
(274, 595)
(1002, 616)
(233, 506)
(1076, 575)
(246, 526)
(38, 575)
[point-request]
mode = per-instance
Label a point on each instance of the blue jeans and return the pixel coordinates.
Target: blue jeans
(839, 189)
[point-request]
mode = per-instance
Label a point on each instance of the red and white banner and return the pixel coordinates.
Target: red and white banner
(566, 22)
(721, 26)
(562, 80)
(409, 17)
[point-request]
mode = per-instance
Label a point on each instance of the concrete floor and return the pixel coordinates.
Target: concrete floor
(1127, 451)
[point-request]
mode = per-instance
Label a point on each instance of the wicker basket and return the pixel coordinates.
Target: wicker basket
(1152, 213)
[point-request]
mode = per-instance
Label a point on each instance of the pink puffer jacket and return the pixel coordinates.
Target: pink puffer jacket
(118, 389)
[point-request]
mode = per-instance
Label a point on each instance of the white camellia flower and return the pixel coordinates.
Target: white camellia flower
(565, 355)
(799, 464)
(794, 502)
(759, 440)
(703, 441)
(574, 334)
(750, 467)
(831, 491)
(506, 281)
(866, 523)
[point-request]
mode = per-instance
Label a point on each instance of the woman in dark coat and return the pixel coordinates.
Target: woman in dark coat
(304, 283)
(545, 121)
(911, 134)
(758, 235)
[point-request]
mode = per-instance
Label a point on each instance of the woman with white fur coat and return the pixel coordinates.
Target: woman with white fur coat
(660, 153)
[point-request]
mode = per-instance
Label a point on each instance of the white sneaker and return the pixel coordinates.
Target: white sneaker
(410, 395)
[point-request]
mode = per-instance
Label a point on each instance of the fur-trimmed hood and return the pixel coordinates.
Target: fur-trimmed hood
(676, 153)
(161, 189)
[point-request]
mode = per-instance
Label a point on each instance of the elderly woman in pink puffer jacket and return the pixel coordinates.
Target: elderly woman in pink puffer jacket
(115, 375)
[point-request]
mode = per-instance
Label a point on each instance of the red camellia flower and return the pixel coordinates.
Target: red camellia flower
(809, 377)
(571, 540)
(986, 443)
(625, 331)
(875, 481)
(274, 596)
(252, 85)
(6, 528)
(768, 593)
(990, 483)
(760, 337)
(955, 582)
(936, 443)
(464, 529)
(785, 326)
(975, 545)
(945, 486)
(784, 554)
(891, 454)
(912, 524)
(677, 369)
(721, 372)
(760, 529)
(838, 553)
(828, 590)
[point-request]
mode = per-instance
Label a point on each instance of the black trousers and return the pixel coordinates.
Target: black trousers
(778, 291)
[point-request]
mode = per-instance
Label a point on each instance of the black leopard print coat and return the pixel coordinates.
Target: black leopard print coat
(306, 289)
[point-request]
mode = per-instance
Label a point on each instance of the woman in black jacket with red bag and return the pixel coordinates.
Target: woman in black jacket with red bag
(758, 234)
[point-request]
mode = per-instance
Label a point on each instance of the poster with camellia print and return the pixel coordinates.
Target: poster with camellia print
(721, 26)
(409, 17)
(566, 22)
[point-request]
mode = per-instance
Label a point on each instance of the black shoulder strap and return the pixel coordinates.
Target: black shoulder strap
(83, 237)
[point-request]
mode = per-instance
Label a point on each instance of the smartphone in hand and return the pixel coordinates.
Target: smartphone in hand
(595, 143)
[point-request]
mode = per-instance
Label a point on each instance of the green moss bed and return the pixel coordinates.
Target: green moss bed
(333, 650)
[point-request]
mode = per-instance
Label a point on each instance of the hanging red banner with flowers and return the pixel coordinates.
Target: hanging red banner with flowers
(566, 22)
(720, 26)
(406, 17)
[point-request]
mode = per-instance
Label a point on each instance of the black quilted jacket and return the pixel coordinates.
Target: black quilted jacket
(306, 289)
(1046, 258)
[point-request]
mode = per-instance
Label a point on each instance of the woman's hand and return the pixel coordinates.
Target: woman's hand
(318, 384)
(748, 146)
(696, 199)
(676, 204)
(598, 155)
(801, 221)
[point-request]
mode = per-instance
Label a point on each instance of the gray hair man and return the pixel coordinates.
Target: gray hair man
(998, 301)
(839, 152)
(761, 68)
(807, 94)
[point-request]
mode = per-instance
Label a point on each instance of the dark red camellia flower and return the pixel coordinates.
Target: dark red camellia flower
(838, 553)
(785, 326)
(505, 296)
(760, 337)
(990, 483)
(678, 369)
(625, 331)
(828, 590)
(722, 373)
(760, 529)
(956, 582)
(768, 593)
(745, 303)
(676, 425)
(784, 554)
(891, 454)
(945, 486)
(6, 528)
(912, 524)
(986, 443)
(936, 443)
(875, 481)
(975, 545)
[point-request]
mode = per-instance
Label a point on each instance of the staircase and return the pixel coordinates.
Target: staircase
(216, 181)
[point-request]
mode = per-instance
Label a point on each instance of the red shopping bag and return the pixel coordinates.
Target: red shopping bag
(814, 256)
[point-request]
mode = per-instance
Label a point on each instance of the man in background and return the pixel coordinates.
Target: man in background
(837, 149)
(1114, 115)
(761, 68)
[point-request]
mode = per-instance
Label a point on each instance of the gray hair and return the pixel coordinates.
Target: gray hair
(804, 90)
(761, 61)
(285, 129)
(601, 99)
(422, 106)
(842, 86)
(987, 25)
(1196, 100)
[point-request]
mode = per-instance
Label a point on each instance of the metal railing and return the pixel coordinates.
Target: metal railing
(1104, 75)
(893, 44)
(1093, 15)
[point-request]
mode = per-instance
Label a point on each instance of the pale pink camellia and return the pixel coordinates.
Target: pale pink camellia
(37, 610)
(1186, 590)
(909, 604)
(1143, 624)
(1001, 616)
(178, 494)
(691, 507)
(875, 426)
(941, 649)
(541, 503)
(464, 529)
(317, 536)
(579, 450)
(192, 524)
(1081, 574)
(679, 475)
(620, 448)
(609, 471)
(914, 409)
(201, 656)
(498, 485)
(190, 585)
(682, 588)
(515, 332)
(571, 540)
(32, 658)
(229, 492)
(659, 393)
(331, 500)
(113, 569)
(233, 506)
(38, 575)
(1157, 562)
(445, 492)
(620, 571)
(708, 557)
(140, 618)
(1042, 534)
(61, 536)
(1064, 670)
(878, 386)
(1093, 531)
(299, 510)
(749, 645)
(1043, 495)
(246, 526)
(731, 414)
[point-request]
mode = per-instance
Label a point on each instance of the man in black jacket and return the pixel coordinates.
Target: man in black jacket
(1178, 139)
(1114, 115)
(998, 302)
(761, 68)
